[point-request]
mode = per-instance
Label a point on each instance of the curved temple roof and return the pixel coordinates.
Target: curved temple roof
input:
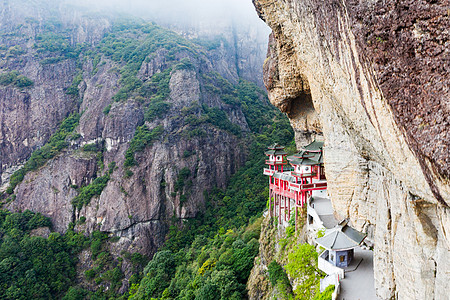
(341, 237)
(311, 154)
(313, 147)
(275, 149)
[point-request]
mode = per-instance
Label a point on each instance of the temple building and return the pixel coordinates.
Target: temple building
(340, 243)
(289, 188)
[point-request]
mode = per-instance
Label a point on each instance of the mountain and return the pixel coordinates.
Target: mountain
(120, 131)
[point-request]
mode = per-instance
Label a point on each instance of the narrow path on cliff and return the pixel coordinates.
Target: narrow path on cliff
(359, 284)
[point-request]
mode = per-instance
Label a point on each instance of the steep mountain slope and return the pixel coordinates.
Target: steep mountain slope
(372, 77)
(149, 125)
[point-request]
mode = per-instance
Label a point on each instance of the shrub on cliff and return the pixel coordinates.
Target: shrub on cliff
(16, 79)
(39, 157)
(303, 270)
(143, 137)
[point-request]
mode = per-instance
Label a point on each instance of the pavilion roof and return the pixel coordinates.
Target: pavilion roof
(315, 146)
(341, 237)
(311, 154)
(301, 161)
(276, 147)
(275, 152)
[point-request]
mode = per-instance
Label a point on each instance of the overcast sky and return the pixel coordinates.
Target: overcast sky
(167, 9)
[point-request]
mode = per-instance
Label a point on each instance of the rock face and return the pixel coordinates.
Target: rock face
(139, 201)
(373, 76)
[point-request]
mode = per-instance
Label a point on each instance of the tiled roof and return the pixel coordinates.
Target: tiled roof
(275, 152)
(341, 237)
(314, 146)
(311, 154)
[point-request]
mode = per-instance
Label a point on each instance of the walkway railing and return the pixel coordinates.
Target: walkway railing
(331, 280)
(328, 267)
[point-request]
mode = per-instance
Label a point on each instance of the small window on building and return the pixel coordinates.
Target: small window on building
(331, 257)
(341, 258)
(307, 169)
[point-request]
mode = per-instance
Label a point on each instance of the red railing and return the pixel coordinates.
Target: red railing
(301, 188)
(307, 175)
(269, 172)
(276, 162)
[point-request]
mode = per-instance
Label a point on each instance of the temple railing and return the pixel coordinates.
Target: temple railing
(279, 162)
(269, 172)
(328, 267)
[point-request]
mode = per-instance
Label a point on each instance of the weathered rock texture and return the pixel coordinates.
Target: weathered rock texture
(137, 207)
(377, 73)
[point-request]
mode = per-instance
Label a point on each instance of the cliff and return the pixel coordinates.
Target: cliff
(371, 77)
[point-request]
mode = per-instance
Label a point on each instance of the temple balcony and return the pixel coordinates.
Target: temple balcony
(303, 175)
(269, 172)
(275, 162)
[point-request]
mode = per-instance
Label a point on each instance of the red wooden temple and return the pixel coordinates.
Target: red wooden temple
(291, 187)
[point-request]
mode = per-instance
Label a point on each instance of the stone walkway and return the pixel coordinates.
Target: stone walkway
(324, 209)
(359, 284)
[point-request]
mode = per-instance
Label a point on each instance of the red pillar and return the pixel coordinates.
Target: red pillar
(289, 209)
(279, 211)
(270, 200)
(275, 198)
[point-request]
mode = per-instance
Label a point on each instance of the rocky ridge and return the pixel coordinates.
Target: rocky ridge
(202, 142)
(375, 74)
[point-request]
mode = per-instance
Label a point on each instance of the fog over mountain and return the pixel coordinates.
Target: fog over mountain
(191, 17)
(174, 10)
(235, 22)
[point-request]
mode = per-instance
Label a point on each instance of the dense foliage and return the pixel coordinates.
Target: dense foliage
(211, 256)
(326, 294)
(277, 275)
(215, 268)
(57, 142)
(55, 43)
(302, 265)
(15, 79)
(34, 267)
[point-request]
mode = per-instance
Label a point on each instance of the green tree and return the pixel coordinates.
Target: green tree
(302, 265)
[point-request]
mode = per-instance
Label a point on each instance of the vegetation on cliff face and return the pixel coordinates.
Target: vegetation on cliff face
(292, 270)
(210, 257)
(57, 142)
(130, 44)
(143, 137)
(204, 257)
(15, 79)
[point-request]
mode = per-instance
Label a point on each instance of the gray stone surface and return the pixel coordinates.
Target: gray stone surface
(324, 209)
(359, 284)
